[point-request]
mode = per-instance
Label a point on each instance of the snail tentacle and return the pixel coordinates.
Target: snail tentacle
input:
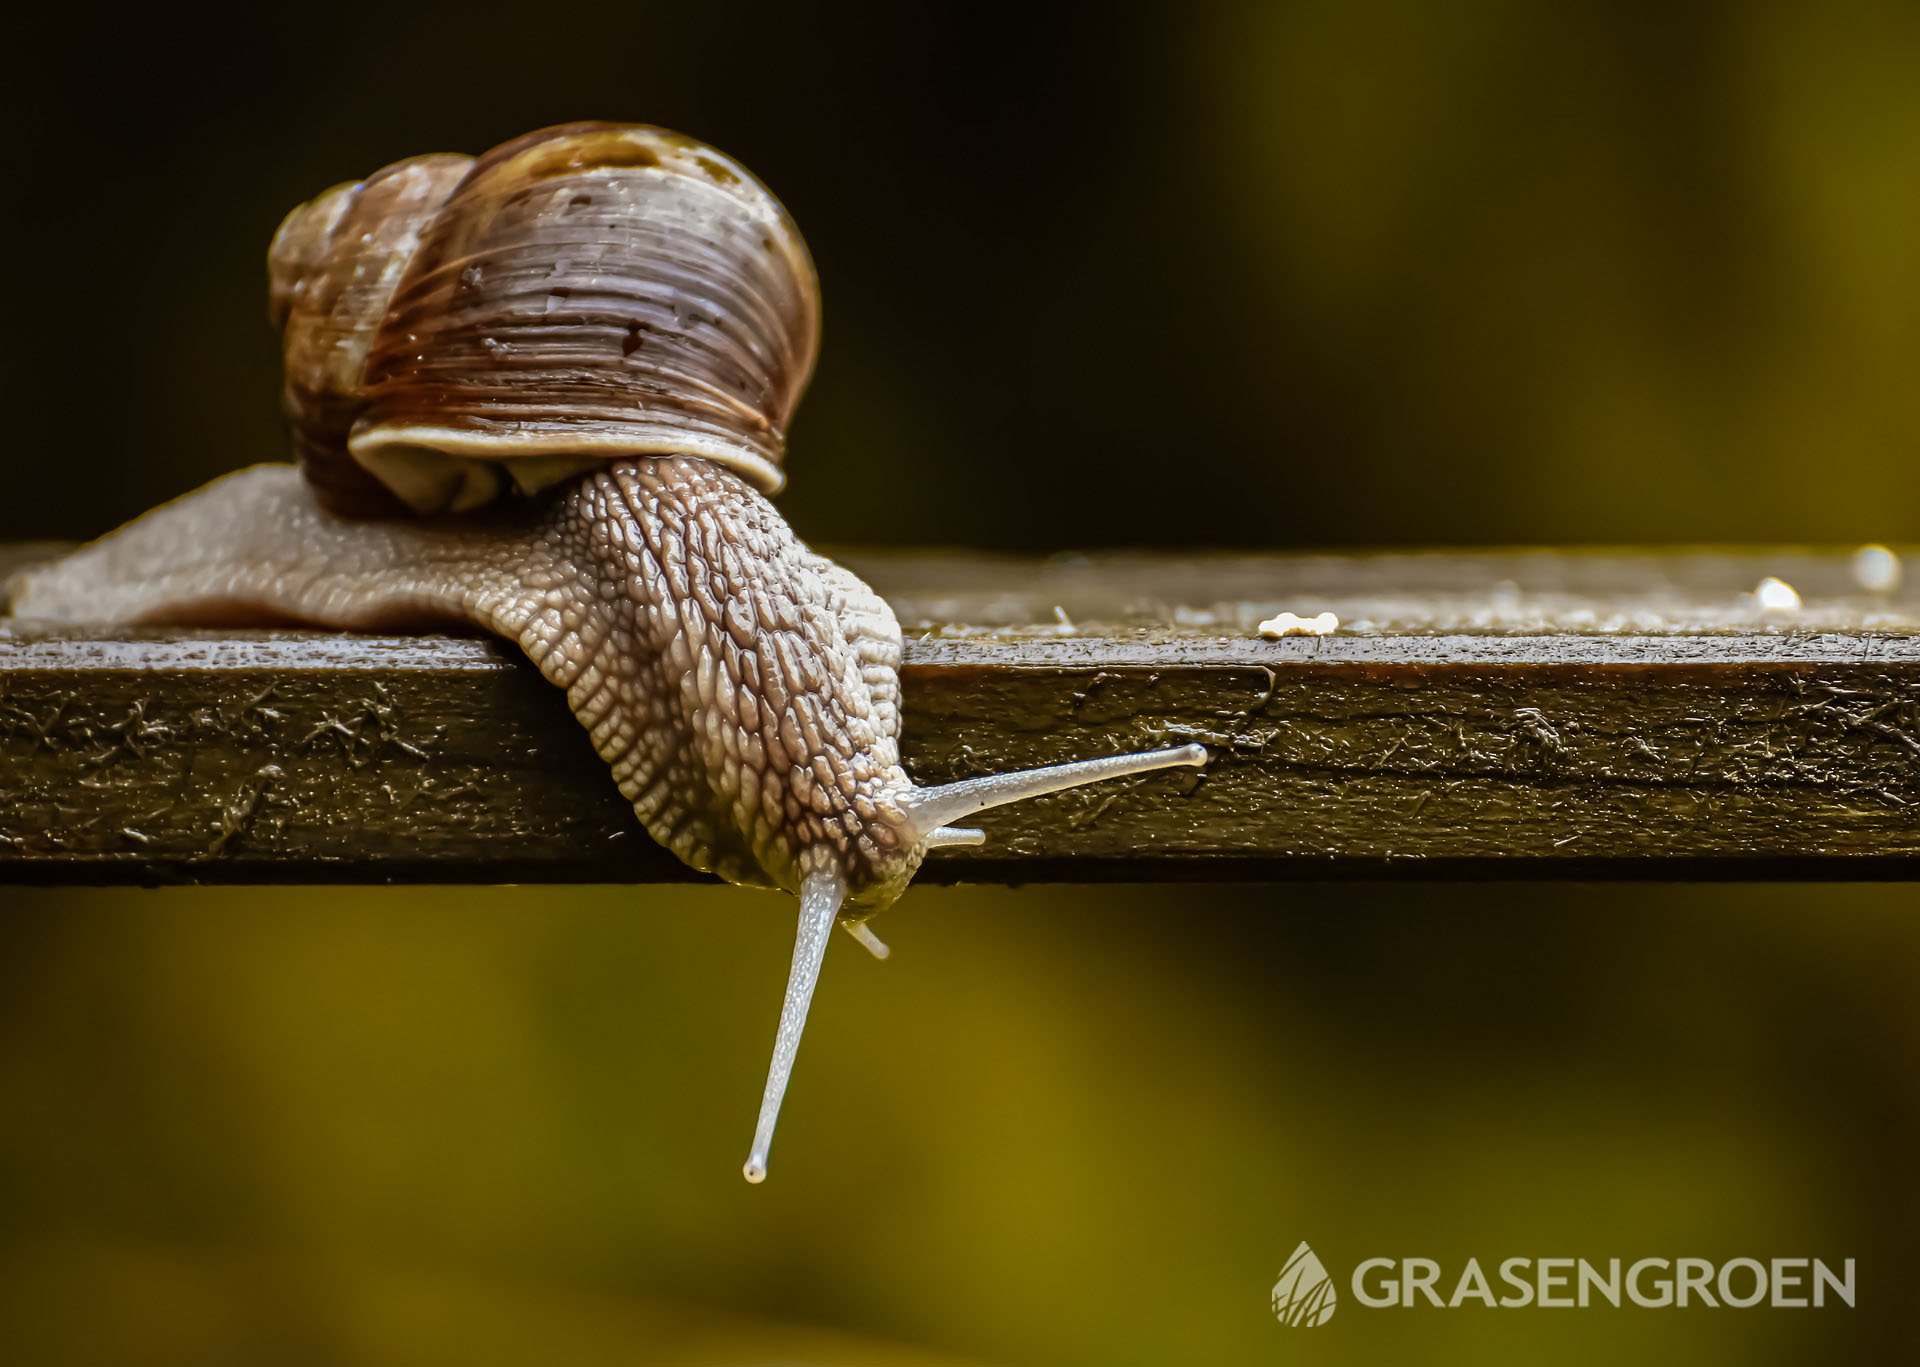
(822, 891)
(930, 809)
(863, 936)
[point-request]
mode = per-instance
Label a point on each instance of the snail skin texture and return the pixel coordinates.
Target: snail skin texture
(546, 391)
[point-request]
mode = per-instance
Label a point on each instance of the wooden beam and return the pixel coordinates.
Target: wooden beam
(1524, 713)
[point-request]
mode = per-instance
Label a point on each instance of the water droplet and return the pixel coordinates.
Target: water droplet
(1876, 569)
(1777, 595)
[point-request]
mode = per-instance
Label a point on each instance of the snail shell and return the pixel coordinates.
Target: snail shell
(455, 328)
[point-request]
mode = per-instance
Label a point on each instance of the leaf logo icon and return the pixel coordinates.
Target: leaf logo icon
(1303, 1297)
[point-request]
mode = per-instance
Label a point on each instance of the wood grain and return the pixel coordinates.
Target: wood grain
(1525, 713)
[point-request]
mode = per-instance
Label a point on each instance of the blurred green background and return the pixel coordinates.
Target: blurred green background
(1480, 272)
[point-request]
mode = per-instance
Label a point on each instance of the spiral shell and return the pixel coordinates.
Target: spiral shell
(454, 329)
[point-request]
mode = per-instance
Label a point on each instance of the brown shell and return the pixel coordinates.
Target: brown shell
(456, 328)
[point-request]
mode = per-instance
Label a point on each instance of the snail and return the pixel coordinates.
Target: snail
(546, 391)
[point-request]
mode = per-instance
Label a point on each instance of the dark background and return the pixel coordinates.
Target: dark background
(1126, 274)
(1467, 273)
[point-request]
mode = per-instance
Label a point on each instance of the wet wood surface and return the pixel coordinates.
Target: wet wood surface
(1515, 713)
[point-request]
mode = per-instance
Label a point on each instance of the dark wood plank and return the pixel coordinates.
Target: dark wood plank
(1523, 713)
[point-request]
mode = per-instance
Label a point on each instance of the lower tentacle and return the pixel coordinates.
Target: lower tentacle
(822, 891)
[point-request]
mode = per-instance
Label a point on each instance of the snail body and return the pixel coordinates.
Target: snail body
(546, 391)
